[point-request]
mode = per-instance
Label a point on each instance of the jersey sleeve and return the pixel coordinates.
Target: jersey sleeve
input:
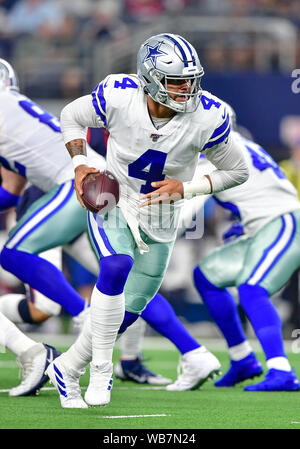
(77, 117)
(99, 101)
(221, 132)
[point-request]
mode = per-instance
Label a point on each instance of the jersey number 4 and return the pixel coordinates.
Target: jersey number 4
(148, 167)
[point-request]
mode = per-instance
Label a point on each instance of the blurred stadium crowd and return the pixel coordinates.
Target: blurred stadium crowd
(62, 48)
(68, 34)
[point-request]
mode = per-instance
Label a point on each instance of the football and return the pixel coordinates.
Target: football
(100, 191)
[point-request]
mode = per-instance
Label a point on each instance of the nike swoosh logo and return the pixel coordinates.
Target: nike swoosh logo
(141, 379)
(50, 359)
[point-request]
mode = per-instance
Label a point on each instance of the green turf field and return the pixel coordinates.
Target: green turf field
(143, 407)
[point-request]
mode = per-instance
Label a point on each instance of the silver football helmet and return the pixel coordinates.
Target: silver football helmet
(167, 59)
(8, 77)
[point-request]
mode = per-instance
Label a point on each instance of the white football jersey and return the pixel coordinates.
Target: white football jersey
(138, 153)
(31, 143)
(266, 194)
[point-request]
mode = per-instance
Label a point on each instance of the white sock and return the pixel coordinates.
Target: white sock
(132, 339)
(79, 355)
(239, 352)
(107, 313)
(280, 363)
(12, 338)
(9, 306)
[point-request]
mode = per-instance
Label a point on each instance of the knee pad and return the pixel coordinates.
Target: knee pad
(114, 271)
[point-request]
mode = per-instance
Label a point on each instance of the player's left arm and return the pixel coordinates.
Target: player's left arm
(11, 188)
(232, 170)
(230, 162)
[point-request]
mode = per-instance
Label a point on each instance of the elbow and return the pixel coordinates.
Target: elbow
(244, 174)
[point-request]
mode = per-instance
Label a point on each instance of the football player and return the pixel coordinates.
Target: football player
(158, 122)
(258, 263)
(52, 217)
(33, 357)
(31, 149)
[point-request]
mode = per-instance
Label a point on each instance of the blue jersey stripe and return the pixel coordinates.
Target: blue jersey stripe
(101, 97)
(93, 236)
(99, 221)
(38, 211)
(220, 129)
(282, 251)
(98, 94)
(184, 57)
(216, 142)
(267, 250)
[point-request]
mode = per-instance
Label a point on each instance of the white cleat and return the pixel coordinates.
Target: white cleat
(195, 367)
(33, 363)
(101, 380)
(66, 381)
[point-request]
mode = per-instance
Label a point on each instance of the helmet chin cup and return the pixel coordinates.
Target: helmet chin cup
(166, 57)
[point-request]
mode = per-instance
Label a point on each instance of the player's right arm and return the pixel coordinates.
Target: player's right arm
(11, 188)
(75, 118)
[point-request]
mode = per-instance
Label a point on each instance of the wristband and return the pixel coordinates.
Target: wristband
(201, 186)
(80, 159)
(7, 199)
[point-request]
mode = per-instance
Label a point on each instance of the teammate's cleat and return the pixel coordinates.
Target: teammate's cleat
(277, 380)
(136, 371)
(101, 380)
(66, 381)
(195, 367)
(247, 368)
(34, 362)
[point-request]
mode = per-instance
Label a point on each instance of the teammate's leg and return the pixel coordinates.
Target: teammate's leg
(32, 307)
(33, 357)
(217, 271)
(276, 247)
(131, 365)
(54, 219)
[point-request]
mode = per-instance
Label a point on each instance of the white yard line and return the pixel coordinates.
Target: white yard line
(115, 388)
(132, 416)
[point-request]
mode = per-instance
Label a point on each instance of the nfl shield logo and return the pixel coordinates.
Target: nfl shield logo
(155, 137)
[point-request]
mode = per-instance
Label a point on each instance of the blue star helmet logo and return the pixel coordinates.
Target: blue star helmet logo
(153, 53)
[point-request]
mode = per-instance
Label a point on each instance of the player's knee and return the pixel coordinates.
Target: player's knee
(114, 271)
(158, 311)
(250, 294)
(5, 258)
(200, 280)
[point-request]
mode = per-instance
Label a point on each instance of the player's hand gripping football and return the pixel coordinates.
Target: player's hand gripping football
(81, 172)
(167, 191)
